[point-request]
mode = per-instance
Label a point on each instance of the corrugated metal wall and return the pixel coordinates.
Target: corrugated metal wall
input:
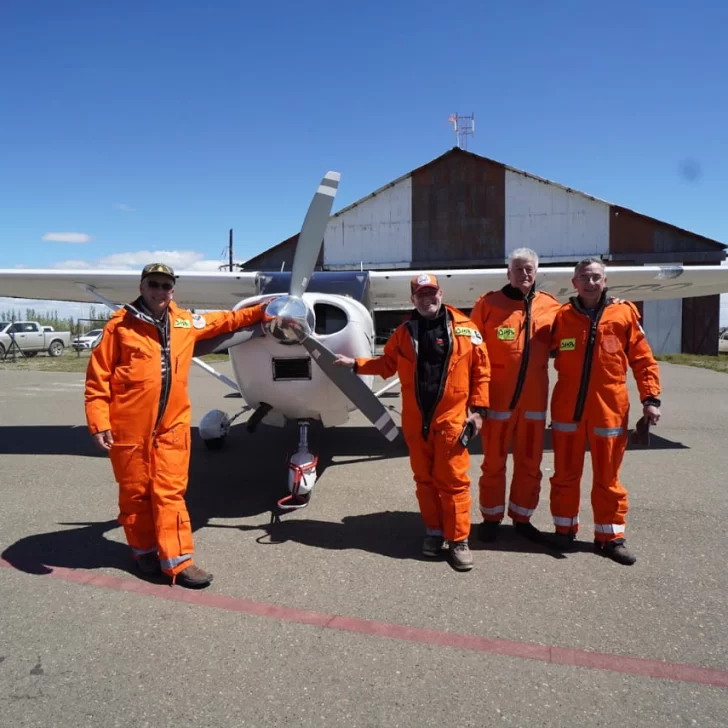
(376, 232)
(458, 208)
(662, 322)
(700, 323)
(558, 224)
(639, 239)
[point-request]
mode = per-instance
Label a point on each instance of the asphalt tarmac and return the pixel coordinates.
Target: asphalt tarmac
(332, 617)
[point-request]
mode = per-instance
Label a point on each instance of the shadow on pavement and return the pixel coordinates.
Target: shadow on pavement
(249, 475)
(273, 442)
(84, 547)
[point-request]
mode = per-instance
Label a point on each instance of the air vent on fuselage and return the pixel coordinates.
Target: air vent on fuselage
(291, 368)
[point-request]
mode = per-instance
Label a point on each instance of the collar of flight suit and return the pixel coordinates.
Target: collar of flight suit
(514, 294)
(603, 302)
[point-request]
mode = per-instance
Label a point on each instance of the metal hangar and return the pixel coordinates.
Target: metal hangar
(462, 210)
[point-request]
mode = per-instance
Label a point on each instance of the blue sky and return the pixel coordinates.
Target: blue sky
(158, 126)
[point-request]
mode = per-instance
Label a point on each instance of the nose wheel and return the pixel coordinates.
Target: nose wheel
(301, 473)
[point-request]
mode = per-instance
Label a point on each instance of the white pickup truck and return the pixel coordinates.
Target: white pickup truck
(31, 338)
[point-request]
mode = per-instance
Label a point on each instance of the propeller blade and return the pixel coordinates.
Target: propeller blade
(353, 387)
(312, 233)
(216, 344)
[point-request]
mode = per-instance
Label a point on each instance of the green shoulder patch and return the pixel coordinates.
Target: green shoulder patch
(567, 345)
(505, 334)
(181, 323)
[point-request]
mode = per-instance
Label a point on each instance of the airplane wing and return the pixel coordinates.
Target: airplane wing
(390, 289)
(221, 290)
(212, 290)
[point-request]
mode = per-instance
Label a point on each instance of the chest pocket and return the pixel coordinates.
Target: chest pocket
(137, 357)
(611, 345)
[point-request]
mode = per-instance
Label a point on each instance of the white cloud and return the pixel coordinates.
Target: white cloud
(124, 207)
(67, 238)
(178, 259)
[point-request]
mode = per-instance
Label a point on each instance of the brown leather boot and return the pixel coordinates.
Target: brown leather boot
(193, 577)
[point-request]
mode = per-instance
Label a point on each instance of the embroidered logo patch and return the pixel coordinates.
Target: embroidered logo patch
(610, 344)
(567, 345)
(198, 321)
(181, 323)
(506, 334)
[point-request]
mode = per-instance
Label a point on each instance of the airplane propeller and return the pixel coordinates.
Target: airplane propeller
(290, 320)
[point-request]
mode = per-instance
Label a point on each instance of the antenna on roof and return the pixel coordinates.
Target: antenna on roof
(464, 126)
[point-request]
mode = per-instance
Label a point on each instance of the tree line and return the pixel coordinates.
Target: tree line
(96, 319)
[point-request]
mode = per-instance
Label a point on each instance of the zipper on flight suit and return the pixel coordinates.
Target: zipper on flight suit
(414, 334)
(589, 354)
(526, 350)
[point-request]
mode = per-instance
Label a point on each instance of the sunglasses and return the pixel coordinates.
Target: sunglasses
(163, 286)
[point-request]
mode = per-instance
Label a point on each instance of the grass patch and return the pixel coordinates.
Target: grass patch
(70, 361)
(716, 363)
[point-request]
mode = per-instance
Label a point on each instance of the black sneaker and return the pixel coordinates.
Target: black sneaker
(149, 564)
(616, 551)
(563, 541)
(488, 531)
(528, 530)
(432, 546)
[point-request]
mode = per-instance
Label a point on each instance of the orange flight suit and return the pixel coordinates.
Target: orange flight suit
(591, 403)
(125, 390)
(439, 461)
(517, 333)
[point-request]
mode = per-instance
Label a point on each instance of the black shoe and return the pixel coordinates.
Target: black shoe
(193, 577)
(616, 551)
(488, 531)
(528, 530)
(563, 541)
(149, 564)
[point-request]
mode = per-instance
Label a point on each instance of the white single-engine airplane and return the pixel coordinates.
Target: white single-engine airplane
(284, 368)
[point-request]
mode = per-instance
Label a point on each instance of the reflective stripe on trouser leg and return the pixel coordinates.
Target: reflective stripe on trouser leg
(530, 429)
(451, 464)
(131, 470)
(569, 443)
(608, 496)
(496, 437)
(170, 464)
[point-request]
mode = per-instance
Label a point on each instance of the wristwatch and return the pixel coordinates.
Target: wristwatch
(651, 402)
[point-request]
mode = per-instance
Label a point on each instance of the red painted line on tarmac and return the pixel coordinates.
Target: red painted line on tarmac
(642, 667)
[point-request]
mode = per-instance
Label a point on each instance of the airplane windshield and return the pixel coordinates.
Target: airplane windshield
(354, 284)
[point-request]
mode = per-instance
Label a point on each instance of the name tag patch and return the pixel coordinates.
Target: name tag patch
(181, 323)
(474, 334)
(506, 334)
(567, 345)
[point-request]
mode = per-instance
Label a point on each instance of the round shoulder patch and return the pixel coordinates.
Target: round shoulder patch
(198, 321)
(475, 337)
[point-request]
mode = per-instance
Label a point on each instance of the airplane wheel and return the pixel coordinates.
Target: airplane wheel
(215, 444)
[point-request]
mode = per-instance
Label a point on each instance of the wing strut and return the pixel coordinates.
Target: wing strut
(203, 365)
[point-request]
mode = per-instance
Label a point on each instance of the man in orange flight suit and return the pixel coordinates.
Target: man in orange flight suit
(443, 370)
(138, 409)
(516, 325)
(596, 339)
